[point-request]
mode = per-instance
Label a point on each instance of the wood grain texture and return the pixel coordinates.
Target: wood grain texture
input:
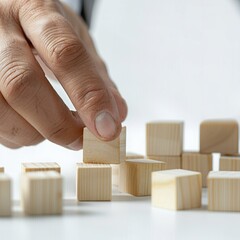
(94, 182)
(37, 166)
(131, 155)
(219, 136)
(164, 138)
(224, 191)
(135, 176)
(97, 151)
(176, 189)
(229, 163)
(198, 162)
(5, 195)
(41, 193)
(172, 162)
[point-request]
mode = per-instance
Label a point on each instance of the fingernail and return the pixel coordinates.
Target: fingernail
(76, 145)
(105, 125)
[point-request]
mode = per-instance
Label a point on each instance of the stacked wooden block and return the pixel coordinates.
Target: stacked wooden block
(41, 189)
(164, 142)
(221, 136)
(94, 176)
(5, 194)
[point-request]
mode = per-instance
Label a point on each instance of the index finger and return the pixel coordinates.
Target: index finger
(63, 52)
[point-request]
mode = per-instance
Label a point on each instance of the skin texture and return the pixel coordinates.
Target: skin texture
(30, 109)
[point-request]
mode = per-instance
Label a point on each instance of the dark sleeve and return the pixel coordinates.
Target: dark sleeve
(86, 11)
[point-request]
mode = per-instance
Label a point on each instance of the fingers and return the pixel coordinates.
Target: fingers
(63, 52)
(8, 144)
(15, 130)
(27, 91)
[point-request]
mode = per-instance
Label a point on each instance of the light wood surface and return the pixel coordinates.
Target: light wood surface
(229, 163)
(5, 195)
(135, 176)
(131, 155)
(219, 136)
(41, 193)
(224, 191)
(164, 138)
(38, 166)
(198, 162)
(97, 151)
(172, 162)
(176, 189)
(1, 169)
(94, 182)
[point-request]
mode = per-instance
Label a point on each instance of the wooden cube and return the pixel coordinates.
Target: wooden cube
(176, 189)
(116, 167)
(219, 136)
(172, 162)
(5, 195)
(97, 151)
(131, 155)
(94, 182)
(198, 162)
(164, 138)
(135, 176)
(229, 163)
(1, 169)
(41, 193)
(37, 166)
(224, 191)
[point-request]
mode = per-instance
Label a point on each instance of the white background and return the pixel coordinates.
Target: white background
(171, 59)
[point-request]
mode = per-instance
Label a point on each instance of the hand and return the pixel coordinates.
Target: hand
(30, 109)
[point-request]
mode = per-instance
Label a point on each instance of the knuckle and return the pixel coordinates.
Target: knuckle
(92, 99)
(59, 132)
(16, 81)
(65, 52)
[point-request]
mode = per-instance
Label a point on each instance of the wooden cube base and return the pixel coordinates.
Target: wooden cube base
(135, 176)
(5, 195)
(41, 193)
(198, 162)
(176, 189)
(229, 163)
(94, 182)
(224, 191)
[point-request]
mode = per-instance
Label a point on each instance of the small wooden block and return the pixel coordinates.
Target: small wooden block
(41, 193)
(5, 195)
(176, 189)
(164, 138)
(171, 161)
(1, 169)
(131, 155)
(198, 162)
(94, 182)
(224, 191)
(135, 176)
(97, 151)
(219, 136)
(229, 163)
(37, 166)
(116, 167)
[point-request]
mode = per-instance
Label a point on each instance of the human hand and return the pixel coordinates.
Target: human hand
(30, 109)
